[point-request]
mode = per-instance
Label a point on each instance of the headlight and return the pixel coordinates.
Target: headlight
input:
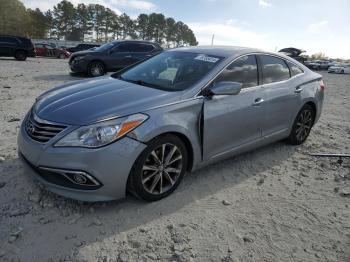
(78, 58)
(103, 133)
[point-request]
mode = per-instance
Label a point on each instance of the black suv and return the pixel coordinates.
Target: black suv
(19, 47)
(81, 47)
(112, 56)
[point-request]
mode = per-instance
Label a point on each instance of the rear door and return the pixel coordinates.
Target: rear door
(231, 121)
(120, 56)
(8, 45)
(280, 95)
(141, 51)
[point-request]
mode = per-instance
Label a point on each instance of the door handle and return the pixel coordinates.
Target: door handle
(128, 56)
(258, 102)
(298, 89)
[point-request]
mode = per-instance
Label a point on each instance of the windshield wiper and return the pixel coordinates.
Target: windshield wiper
(140, 82)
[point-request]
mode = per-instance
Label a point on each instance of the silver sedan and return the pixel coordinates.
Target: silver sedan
(141, 129)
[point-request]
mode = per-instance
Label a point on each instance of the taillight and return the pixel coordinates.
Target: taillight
(322, 86)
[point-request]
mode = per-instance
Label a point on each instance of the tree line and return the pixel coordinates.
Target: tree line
(93, 22)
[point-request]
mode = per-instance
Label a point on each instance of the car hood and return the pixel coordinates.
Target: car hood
(86, 102)
(85, 52)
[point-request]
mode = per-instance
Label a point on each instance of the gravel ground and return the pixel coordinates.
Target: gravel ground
(276, 203)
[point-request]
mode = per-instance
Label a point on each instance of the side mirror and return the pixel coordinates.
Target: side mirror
(226, 88)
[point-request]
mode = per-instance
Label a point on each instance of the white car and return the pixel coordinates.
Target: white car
(340, 69)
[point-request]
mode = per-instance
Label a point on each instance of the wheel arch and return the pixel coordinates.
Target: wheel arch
(21, 50)
(99, 61)
(313, 106)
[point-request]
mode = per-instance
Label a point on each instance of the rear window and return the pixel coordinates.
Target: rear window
(135, 47)
(294, 69)
(146, 48)
(274, 69)
(8, 39)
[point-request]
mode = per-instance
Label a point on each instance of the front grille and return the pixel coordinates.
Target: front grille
(40, 130)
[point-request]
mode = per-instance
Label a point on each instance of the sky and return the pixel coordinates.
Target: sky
(312, 25)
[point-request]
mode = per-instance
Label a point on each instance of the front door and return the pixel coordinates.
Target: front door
(231, 121)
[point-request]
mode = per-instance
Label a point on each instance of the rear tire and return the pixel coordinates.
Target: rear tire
(342, 71)
(159, 169)
(21, 55)
(62, 56)
(96, 69)
(302, 125)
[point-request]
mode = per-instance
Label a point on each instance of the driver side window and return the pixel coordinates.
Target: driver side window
(244, 70)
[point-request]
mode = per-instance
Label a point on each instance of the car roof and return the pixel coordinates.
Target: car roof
(20, 37)
(223, 51)
(136, 41)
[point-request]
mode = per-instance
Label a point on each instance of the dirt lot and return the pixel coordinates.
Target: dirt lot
(274, 204)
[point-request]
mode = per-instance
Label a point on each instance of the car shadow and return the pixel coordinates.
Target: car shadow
(59, 77)
(123, 215)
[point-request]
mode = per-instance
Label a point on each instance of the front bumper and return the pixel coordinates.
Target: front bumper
(78, 66)
(110, 165)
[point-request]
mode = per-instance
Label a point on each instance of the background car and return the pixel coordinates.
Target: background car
(16, 46)
(340, 69)
(81, 47)
(318, 65)
(43, 49)
(112, 56)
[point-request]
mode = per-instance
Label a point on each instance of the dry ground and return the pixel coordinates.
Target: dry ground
(274, 204)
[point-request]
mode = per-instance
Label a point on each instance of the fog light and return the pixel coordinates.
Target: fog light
(80, 179)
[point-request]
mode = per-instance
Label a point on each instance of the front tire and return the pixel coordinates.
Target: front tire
(96, 69)
(159, 169)
(342, 71)
(21, 55)
(302, 125)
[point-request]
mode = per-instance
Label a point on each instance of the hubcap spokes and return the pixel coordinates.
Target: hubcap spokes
(303, 125)
(161, 169)
(96, 70)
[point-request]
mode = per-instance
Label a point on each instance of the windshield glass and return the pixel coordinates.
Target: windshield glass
(173, 71)
(104, 47)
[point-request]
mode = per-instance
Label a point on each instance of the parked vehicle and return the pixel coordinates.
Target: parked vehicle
(318, 65)
(81, 47)
(340, 69)
(16, 46)
(142, 128)
(43, 49)
(112, 56)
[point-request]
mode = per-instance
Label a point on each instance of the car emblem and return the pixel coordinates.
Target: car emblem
(30, 128)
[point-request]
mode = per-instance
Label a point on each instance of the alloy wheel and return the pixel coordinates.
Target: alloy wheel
(162, 169)
(96, 69)
(304, 124)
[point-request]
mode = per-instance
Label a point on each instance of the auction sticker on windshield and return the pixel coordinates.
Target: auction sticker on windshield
(205, 58)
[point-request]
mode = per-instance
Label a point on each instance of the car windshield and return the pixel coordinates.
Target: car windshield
(171, 71)
(104, 47)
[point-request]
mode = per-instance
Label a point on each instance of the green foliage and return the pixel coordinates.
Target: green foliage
(319, 56)
(65, 21)
(13, 18)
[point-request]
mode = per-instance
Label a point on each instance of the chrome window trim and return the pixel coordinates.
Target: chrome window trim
(251, 87)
